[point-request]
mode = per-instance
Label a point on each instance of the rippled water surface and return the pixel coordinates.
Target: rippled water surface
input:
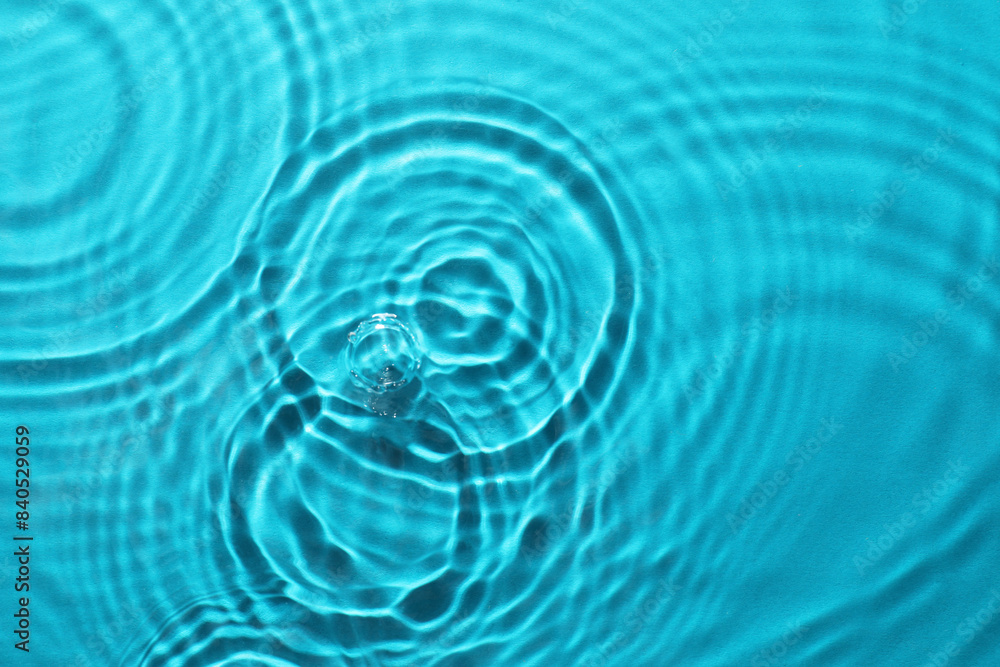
(466, 333)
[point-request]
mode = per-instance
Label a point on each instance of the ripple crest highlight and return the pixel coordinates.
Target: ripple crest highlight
(474, 216)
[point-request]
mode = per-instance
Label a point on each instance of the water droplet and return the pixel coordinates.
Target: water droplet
(382, 354)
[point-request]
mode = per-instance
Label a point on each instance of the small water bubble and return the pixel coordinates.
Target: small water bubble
(382, 354)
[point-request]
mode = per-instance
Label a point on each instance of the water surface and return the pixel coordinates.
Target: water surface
(685, 347)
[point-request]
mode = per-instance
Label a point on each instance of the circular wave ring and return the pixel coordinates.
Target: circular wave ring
(478, 219)
(339, 516)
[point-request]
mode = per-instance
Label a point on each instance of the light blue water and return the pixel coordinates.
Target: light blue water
(468, 333)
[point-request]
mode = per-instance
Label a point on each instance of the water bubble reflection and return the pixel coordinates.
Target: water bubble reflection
(382, 354)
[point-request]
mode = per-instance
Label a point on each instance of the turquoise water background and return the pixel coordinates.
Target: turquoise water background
(704, 303)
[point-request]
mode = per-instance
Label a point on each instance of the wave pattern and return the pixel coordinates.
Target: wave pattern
(448, 333)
